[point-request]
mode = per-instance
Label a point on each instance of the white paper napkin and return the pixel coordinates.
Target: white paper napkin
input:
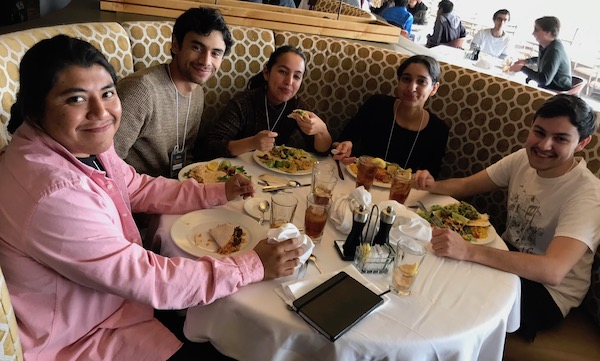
(287, 231)
(292, 290)
(410, 224)
(342, 208)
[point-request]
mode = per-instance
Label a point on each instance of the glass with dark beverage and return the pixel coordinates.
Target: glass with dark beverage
(401, 185)
(315, 218)
(366, 172)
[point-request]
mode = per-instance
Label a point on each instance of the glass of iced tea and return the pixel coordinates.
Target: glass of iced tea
(283, 207)
(315, 218)
(409, 256)
(401, 185)
(366, 172)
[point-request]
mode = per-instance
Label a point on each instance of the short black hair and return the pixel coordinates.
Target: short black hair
(446, 6)
(403, 3)
(581, 115)
(202, 21)
(501, 12)
(550, 24)
(39, 70)
(433, 67)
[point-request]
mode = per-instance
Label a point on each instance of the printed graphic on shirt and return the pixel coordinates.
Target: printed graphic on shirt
(523, 209)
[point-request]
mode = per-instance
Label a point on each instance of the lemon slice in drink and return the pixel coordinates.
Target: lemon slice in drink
(212, 166)
(409, 269)
(379, 162)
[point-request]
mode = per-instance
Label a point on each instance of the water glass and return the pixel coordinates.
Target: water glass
(409, 256)
(283, 208)
(323, 185)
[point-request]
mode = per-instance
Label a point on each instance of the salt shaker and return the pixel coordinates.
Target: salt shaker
(359, 220)
(386, 221)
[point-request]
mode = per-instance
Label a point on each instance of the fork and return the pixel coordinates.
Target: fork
(433, 218)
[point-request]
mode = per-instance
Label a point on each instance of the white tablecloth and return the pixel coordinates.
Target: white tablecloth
(457, 310)
(456, 56)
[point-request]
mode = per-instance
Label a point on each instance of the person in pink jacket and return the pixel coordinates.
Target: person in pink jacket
(82, 285)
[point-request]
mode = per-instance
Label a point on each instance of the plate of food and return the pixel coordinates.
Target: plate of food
(463, 218)
(286, 160)
(211, 172)
(383, 176)
(216, 233)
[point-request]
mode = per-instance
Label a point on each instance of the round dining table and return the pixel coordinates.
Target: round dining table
(457, 310)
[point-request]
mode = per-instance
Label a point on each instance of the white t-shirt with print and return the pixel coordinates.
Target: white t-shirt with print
(540, 209)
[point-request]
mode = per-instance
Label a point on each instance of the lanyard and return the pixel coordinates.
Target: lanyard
(267, 113)
(177, 114)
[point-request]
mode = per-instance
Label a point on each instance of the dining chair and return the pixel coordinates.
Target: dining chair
(577, 85)
(590, 69)
(456, 43)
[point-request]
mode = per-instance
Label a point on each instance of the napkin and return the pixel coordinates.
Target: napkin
(292, 290)
(409, 224)
(342, 208)
(287, 231)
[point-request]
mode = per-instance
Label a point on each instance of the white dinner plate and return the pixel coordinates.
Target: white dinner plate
(491, 236)
(258, 153)
(251, 207)
(189, 225)
(375, 182)
(182, 173)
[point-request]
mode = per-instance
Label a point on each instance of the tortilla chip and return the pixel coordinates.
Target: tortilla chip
(480, 222)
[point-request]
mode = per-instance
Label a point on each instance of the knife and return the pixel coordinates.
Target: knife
(283, 186)
(340, 173)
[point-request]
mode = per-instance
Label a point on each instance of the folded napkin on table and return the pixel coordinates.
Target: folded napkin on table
(410, 224)
(292, 290)
(287, 231)
(342, 208)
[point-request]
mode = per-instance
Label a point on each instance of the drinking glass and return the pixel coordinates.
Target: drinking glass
(409, 256)
(323, 181)
(315, 217)
(366, 172)
(283, 207)
(401, 185)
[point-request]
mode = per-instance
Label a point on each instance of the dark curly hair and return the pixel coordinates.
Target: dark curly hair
(202, 21)
(581, 115)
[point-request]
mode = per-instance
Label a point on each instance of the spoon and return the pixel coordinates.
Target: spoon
(313, 259)
(289, 184)
(263, 206)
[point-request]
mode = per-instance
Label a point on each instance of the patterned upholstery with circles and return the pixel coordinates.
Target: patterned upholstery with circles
(10, 347)
(489, 116)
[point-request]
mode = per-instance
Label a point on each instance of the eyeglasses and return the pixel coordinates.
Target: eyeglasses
(502, 19)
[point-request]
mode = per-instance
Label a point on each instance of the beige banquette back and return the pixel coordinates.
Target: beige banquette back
(489, 116)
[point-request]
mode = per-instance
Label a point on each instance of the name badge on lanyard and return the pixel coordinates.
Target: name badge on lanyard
(177, 161)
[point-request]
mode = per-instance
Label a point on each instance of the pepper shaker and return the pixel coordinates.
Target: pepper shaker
(359, 220)
(387, 218)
